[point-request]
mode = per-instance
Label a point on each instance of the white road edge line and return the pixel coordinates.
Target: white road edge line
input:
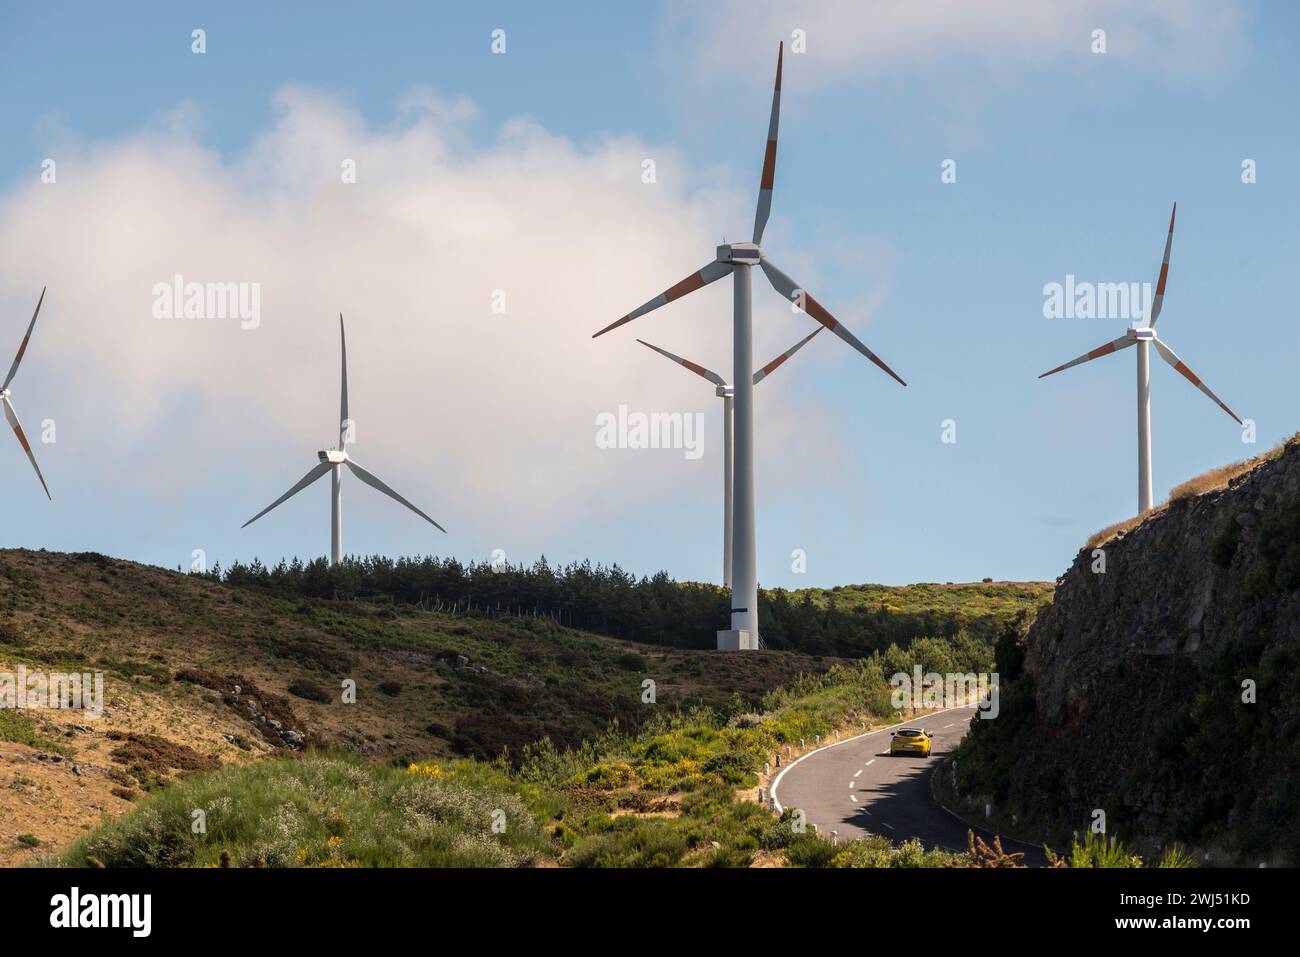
(776, 782)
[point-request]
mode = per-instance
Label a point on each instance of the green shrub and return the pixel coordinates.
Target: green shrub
(809, 850)
(319, 811)
(1097, 850)
(876, 851)
(1224, 545)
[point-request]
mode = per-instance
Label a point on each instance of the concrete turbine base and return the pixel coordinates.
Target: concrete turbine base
(736, 639)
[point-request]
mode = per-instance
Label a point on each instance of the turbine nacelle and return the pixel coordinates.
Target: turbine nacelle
(1141, 333)
(725, 392)
(332, 456)
(741, 254)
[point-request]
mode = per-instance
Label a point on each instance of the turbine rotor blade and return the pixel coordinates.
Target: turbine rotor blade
(375, 483)
(696, 280)
(769, 156)
(13, 369)
(343, 396)
(776, 363)
(1123, 342)
(12, 416)
(1181, 368)
(793, 292)
(699, 370)
(1159, 300)
(306, 480)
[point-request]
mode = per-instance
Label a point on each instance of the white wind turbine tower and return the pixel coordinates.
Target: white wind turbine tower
(332, 461)
(1142, 337)
(10, 414)
(737, 259)
(727, 393)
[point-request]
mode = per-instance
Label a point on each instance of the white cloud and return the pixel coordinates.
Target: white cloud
(870, 38)
(485, 420)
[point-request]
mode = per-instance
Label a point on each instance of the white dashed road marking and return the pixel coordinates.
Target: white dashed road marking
(859, 771)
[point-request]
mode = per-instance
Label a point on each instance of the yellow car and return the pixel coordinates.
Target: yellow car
(911, 741)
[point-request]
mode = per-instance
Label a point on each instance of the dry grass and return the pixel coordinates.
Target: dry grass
(1217, 479)
(1110, 531)
(1211, 481)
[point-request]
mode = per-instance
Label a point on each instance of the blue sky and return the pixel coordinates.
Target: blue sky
(1067, 162)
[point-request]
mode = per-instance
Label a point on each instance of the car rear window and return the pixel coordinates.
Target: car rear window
(908, 733)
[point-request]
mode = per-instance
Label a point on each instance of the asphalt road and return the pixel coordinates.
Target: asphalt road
(856, 787)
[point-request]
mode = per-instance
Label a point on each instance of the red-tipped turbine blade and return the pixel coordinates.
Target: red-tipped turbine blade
(769, 155)
(792, 291)
(1123, 342)
(12, 416)
(776, 363)
(13, 369)
(1159, 300)
(698, 369)
(1181, 368)
(696, 280)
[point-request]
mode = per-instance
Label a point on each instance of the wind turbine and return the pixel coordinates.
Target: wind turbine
(1143, 337)
(10, 414)
(737, 259)
(727, 393)
(332, 461)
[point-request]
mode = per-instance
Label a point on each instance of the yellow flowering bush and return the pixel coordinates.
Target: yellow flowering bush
(426, 770)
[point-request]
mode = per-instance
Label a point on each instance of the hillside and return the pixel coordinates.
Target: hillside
(848, 621)
(198, 674)
(202, 674)
(1163, 691)
(853, 620)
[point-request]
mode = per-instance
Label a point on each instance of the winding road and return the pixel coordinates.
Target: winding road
(856, 788)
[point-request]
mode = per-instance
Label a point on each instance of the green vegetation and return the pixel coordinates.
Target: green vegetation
(1224, 545)
(319, 811)
(665, 796)
(875, 851)
(850, 621)
(1279, 551)
(1098, 850)
(21, 728)
(490, 705)
(857, 620)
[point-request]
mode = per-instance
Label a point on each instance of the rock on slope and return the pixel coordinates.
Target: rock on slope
(1163, 691)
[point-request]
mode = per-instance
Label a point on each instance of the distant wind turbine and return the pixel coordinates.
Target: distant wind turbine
(727, 393)
(737, 259)
(333, 460)
(1141, 336)
(10, 414)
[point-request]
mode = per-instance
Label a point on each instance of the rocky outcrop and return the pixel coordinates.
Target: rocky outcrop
(1164, 678)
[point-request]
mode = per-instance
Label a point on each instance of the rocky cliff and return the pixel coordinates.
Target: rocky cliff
(1162, 685)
